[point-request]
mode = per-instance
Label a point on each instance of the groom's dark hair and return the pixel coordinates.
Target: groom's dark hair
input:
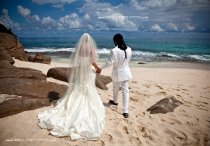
(118, 39)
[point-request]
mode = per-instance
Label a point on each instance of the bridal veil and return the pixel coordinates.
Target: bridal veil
(80, 112)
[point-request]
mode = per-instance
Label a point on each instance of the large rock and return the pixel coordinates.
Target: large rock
(102, 81)
(27, 94)
(4, 55)
(29, 87)
(60, 73)
(5, 64)
(15, 72)
(13, 104)
(165, 105)
(13, 46)
(40, 58)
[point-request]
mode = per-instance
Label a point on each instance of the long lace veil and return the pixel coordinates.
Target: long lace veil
(80, 68)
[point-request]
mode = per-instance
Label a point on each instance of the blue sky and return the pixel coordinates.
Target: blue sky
(28, 18)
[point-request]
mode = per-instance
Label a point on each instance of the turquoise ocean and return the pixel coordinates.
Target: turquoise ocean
(180, 47)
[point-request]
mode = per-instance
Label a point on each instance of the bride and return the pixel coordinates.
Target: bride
(80, 112)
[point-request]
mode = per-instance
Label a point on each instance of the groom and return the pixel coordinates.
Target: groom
(119, 58)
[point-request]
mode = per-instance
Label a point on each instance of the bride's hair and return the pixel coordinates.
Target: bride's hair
(118, 39)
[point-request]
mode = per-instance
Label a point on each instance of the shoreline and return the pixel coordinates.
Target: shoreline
(183, 65)
(169, 64)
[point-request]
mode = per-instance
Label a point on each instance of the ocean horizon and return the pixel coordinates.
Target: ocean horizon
(185, 47)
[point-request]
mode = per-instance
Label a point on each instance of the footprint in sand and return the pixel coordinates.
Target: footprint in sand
(208, 87)
(134, 82)
(108, 137)
(99, 143)
(202, 102)
(125, 129)
(144, 132)
(135, 141)
(161, 93)
(134, 98)
(203, 109)
(175, 121)
(186, 115)
(139, 128)
(159, 87)
(186, 105)
(170, 132)
(191, 123)
(208, 121)
(146, 135)
(177, 89)
(192, 86)
(147, 85)
(181, 136)
(204, 97)
(178, 95)
(185, 90)
(162, 119)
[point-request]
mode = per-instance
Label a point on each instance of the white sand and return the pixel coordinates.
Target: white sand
(189, 124)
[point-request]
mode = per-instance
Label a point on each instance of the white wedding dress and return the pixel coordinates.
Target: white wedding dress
(80, 113)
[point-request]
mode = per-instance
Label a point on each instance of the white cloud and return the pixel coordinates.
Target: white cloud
(117, 20)
(86, 17)
(26, 13)
(54, 3)
(162, 12)
(23, 11)
(157, 28)
(36, 18)
(150, 15)
(72, 21)
(136, 4)
(172, 26)
(189, 27)
(105, 16)
(5, 12)
(7, 21)
(49, 22)
(162, 4)
(195, 2)
(159, 3)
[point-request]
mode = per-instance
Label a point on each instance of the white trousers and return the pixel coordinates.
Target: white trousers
(125, 93)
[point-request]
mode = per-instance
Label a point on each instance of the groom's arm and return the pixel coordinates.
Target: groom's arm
(109, 62)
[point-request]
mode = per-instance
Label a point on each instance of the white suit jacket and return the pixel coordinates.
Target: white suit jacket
(121, 70)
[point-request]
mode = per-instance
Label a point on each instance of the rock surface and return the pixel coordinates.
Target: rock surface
(40, 58)
(22, 88)
(140, 62)
(27, 94)
(10, 42)
(5, 64)
(60, 73)
(4, 55)
(165, 105)
(102, 81)
(13, 46)
(16, 72)
(13, 104)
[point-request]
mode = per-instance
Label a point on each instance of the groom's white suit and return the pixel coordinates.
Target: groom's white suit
(120, 74)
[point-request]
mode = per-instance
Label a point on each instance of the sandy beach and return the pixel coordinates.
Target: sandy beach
(189, 124)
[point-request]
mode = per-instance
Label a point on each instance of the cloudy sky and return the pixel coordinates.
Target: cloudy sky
(63, 17)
